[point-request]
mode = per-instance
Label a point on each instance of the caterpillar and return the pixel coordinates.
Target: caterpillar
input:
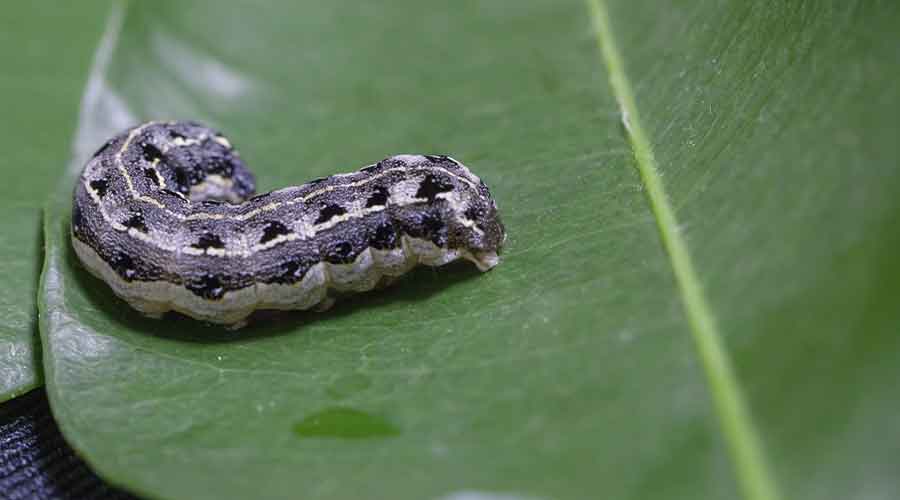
(166, 214)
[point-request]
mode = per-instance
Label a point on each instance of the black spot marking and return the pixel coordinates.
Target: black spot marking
(370, 168)
(434, 228)
(181, 175)
(182, 179)
(212, 203)
(136, 221)
(150, 173)
(103, 148)
(385, 237)
(378, 198)
(329, 212)
(124, 266)
(472, 213)
(209, 240)
(176, 135)
(436, 158)
(100, 186)
(208, 286)
(150, 152)
(432, 186)
(292, 270)
(427, 226)
(220, 165)
(273, 230)
(340, 253)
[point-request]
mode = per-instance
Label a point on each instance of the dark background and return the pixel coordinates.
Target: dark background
(35, 461)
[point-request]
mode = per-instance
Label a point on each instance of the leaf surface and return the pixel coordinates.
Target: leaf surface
(45, 51)
(570, 371)
(774, 127)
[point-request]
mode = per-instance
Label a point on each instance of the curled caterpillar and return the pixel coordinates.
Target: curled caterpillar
(165, 214)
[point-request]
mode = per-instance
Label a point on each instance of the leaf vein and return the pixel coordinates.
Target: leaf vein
(754, 478)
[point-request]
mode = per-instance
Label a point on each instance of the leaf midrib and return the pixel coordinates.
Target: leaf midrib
(744, 445)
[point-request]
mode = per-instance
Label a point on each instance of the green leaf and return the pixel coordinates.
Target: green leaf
(45, 50)
(709, 316)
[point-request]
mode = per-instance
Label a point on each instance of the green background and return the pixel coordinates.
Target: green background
(46, 51)
(569, 371)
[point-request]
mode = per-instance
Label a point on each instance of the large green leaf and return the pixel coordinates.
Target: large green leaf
(595, 361)
(46, 50)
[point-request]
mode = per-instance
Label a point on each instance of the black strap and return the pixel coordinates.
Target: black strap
(35, 461)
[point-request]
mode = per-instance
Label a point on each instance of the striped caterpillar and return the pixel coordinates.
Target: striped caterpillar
(165, 214)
